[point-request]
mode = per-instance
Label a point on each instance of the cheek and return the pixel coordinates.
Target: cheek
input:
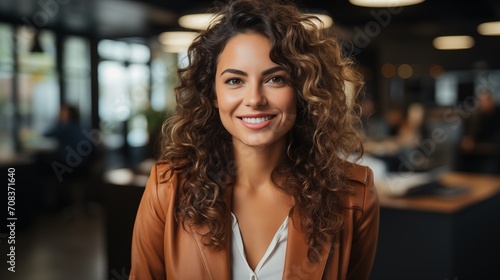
(216, 90)
(226, 102)
(222, 101)
(289, 104)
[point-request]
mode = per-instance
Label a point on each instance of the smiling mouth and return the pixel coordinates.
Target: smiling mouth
(256, 120)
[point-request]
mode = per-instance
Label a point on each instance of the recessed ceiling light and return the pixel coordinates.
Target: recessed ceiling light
(196, 21)
(489, 28)
(384, 3)
(176, 41)
(453, 42)
(405, 71)
(323, 21)
(203, 20)
(388, 70)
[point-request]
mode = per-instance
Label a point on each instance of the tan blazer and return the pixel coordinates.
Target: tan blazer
(163, 249)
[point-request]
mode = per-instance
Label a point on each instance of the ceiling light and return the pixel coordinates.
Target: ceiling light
(489, 28)
(176, 41)
(453, 42)
(322, 21)
(384, 3)
(36, 47)
(436, 71)
(203, 20)
(405, 71)
(388, 70)
(196, 21)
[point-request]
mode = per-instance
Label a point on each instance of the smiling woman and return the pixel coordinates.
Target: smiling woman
(256, 104)
(254, 180)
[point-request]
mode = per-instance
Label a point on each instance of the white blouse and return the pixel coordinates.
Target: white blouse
(272, 263)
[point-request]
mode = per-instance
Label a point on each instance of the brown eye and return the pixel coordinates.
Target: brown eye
(233, 81)
(276, 80)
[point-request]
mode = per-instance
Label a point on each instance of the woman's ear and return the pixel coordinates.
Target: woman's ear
(216, 103)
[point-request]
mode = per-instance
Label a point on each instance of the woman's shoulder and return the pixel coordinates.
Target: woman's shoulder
(162, 180)
(162, 171)
(360, 177)
(359, 173)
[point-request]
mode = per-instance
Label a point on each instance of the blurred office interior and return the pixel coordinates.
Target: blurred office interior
(430, 114)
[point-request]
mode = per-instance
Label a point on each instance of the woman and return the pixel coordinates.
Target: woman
(254, 181)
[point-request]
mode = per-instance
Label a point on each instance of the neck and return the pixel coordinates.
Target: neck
(256, 164)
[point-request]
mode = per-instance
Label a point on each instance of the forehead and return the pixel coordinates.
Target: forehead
(245, 48)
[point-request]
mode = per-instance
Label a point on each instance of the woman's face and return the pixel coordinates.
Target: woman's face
(256, 104)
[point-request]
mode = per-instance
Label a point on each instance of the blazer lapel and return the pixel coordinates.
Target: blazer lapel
(217, 263)
(297, 265)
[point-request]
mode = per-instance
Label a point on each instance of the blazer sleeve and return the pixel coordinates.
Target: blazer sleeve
(147, 258)
(365, 233)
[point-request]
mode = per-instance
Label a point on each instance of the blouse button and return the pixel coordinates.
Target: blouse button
(253, 277)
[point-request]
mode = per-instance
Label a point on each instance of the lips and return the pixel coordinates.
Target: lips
(256, 121)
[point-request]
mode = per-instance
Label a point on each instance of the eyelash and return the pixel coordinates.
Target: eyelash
(280, 78)
(235, 81)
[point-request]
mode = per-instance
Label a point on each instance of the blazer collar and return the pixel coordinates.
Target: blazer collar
(297, 265)
(217, 263)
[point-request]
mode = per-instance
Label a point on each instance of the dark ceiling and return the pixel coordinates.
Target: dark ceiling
(119, 18)
(417, 24)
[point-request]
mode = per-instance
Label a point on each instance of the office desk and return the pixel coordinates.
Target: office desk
(435, 238)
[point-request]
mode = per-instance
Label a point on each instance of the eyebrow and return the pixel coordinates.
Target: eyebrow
(242, 73)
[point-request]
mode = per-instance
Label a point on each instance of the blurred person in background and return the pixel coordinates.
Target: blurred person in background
(402, 130)
(410, 130)
(374, 125)
(67, 131)
(71, 163)
(479, 149)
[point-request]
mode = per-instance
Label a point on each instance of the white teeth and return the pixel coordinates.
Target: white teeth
(256, 120)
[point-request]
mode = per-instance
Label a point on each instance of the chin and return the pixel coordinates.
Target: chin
(259, 141)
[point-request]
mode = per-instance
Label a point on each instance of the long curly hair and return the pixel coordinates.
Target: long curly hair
(324, 136)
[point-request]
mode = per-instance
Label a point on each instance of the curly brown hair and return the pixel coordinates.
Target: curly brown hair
(324, 136)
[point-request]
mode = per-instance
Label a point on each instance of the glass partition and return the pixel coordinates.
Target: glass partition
(76, 66)
(6, 105)
(38, 87)
(124, 89)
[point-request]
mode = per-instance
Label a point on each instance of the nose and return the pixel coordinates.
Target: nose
(254, 96)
